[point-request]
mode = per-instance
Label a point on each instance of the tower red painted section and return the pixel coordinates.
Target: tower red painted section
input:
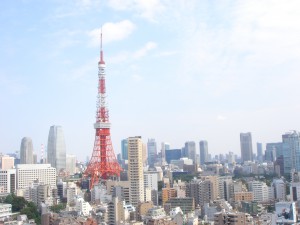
(103, 164)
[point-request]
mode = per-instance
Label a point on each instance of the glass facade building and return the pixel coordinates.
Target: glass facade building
(291, 151)
(56, 149)
(203, 152)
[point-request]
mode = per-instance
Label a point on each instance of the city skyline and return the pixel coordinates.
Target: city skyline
(212, 70)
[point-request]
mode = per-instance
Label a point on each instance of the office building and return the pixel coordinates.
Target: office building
(71, 164)
(124, 149)
(190, 150)
(151, 183)
(203, 152)
(173, 154)
(246, 147)
(279, 189)
(291, 151)
(260, 191)
(56, 151)
(8, 181)
(26, 151)
(259, 149)
(164, 146)
(152, 152)
(135, 170)
(28, 173)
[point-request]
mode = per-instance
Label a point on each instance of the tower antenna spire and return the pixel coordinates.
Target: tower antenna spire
(101, 51)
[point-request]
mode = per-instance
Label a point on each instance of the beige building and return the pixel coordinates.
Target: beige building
(7, 162)
(214, 185)
(135, 170)
(243, 196)
(143, 208)
(111, 184)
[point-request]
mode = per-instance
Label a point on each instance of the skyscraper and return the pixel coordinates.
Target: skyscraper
(246, 147)
(152, 152)
(259, 152)
(203, 152)
(164, 146)
(291, 151)
(190, 150)
(26, 151)
(124, 148)
(56, 151)
(135, 170)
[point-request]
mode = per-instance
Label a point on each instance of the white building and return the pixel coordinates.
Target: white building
(28, 173)
(82, 207)
(260, 191)
(5, 211)
(99, 194)
(135, 170)
(8, 181)
(279, 189)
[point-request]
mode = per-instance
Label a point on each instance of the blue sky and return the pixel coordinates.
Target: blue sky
(176, 71)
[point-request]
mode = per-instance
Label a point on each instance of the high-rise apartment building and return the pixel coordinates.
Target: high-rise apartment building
(152, 152)
(246, 147)
(124, 149)
(190, 150)
(291, 151)
(56, 150)
(26, 151)
(135, 170)
(203, 152)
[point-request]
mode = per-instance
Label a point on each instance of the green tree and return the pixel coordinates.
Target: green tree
(17, 202)
(57, 208)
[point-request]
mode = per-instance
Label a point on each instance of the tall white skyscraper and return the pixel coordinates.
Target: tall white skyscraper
(26, 151)
(56, 151)
(135, 170)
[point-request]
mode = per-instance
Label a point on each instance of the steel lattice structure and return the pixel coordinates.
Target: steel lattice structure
(103, 163)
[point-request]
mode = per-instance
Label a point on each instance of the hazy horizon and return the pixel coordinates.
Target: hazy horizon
(176, 71)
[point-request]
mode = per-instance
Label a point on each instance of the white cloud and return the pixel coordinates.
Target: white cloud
(221, 117)
(112, 32)
(147, 9)
(137, 77)
(144, 50)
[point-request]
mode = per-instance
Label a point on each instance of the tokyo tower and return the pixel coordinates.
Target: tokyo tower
(103, 164)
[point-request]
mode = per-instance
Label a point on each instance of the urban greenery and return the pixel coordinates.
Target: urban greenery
(57, 208)
(19, 204)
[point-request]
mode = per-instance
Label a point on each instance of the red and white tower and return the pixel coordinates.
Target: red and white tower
(103, 163)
